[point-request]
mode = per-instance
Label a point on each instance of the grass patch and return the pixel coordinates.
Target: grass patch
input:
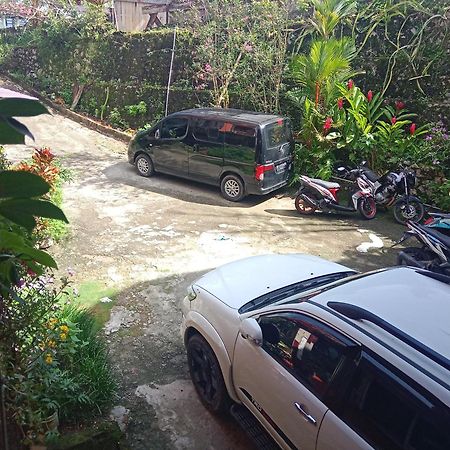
(88, 367)
(90, 293)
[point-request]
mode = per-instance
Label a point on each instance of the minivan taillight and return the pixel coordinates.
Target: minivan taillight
(261, 168)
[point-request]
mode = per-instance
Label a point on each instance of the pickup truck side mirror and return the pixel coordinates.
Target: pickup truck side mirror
(251, 330)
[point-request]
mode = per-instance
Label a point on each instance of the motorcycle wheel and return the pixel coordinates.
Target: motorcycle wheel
(367, 207)
(419, 254)
(405, 210)
(303, 207)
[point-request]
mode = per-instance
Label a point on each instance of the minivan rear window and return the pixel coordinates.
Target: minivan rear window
(278, 133)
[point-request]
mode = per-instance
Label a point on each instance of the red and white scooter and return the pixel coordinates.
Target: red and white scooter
(315, 194)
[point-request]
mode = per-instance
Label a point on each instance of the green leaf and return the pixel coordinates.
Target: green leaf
(40, 257)
(32, 207)
(21, 107)
(21, 218)
(9, 135)
(19, 184)
(18, 126)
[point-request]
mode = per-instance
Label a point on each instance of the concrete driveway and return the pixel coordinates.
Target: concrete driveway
(149, 239)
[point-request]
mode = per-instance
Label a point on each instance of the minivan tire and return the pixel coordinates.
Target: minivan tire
(232, 188)
(144, 165)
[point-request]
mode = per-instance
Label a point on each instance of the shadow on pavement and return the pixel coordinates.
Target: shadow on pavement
(175, 187)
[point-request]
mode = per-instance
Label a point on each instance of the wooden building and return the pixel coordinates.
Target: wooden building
(140, 15)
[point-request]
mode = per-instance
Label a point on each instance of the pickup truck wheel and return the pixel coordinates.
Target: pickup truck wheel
(207, 376)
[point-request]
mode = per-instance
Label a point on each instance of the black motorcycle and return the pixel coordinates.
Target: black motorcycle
(434, 253)
(394, 189)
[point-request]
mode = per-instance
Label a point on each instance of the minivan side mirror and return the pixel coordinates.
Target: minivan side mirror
(251, 330)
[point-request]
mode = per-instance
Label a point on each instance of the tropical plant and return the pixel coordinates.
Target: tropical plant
(318, 73)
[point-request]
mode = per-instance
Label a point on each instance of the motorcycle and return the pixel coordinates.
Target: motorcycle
(434, 254)
(315, 194)
(439, 221)
(394, 189)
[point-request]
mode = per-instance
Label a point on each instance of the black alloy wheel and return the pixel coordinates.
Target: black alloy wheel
(206, 375)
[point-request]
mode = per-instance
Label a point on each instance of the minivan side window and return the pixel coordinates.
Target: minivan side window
(208, 131)
(240, 136)
(308, 349)
(173, 128)
(389, 413)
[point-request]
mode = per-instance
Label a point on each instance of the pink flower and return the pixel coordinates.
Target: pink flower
(208, 67)
(399, 105)
(248, 47)
(327, 124)
(350, 84)
(394, 120)
(369, 96)
(412, 129)
(340, 102)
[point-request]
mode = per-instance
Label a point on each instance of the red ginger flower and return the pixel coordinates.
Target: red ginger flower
(327, 124)
(340, 102)
(350, 84)
(393, 120)
(399, 105)
(369, 96)
(412, 129)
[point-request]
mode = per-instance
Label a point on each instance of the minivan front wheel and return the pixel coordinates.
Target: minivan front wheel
(144, 165)
(232, 188)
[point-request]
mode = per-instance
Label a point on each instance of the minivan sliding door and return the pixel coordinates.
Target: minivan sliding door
(170, 152)
(206, 155)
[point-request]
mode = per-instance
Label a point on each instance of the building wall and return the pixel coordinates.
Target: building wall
(129, 15)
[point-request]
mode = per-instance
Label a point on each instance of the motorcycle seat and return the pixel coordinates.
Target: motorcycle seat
(437, 235)
(326, 184)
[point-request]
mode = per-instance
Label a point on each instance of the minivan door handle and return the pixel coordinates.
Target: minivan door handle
(195, 148)
(308, 417)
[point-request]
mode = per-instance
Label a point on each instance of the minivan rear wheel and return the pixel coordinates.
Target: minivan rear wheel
(232, 188)
(144, 165)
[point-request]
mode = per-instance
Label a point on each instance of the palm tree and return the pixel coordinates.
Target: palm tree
(327, 64)
(330, 13)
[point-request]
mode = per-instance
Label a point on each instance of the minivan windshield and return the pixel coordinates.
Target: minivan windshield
(278, 133)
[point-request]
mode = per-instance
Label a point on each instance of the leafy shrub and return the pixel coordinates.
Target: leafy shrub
(56, 361)
(116, 120)
(46, 165)
(137, 110)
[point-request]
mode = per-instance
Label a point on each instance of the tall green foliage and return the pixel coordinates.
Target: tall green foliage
(241, 50)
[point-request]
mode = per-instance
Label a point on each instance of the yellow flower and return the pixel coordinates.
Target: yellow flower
(64, 328)
(48, 358)
(63, 336)
(51, 343)
(51, 323)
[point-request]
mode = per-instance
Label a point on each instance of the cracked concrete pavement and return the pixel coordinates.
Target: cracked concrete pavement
(149, 239)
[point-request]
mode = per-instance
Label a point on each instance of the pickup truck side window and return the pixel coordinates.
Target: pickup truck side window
(310, 350)
(390, 412)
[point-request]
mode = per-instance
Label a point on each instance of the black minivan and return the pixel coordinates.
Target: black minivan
(243, 152)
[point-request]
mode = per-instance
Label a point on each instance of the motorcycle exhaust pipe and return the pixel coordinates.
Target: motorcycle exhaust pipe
(410, 261)
(310, 201)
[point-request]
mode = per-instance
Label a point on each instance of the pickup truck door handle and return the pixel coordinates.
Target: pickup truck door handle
(308, 417)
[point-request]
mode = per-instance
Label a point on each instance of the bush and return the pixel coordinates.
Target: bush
(52, 359)
(46, 165)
